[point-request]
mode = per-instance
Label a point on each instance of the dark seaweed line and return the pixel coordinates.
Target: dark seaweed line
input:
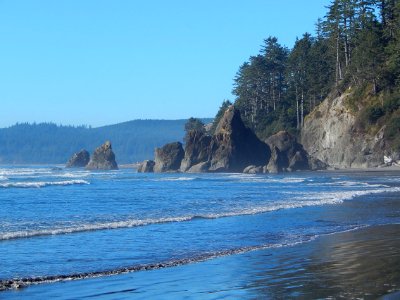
(17, 283)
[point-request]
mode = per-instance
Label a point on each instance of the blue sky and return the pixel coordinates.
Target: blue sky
(98, 62)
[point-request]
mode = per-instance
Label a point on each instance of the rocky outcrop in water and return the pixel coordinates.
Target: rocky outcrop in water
(197, 151)
(146, 166)
(103, 158)
(79, 159)
(234, 146)
(330, 133)
(169, 157)
(289, 155)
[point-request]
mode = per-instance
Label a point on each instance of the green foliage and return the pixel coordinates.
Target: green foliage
(373, 113)
(357, 48)
(392, 103)
(392, 131)
(393, 127)
(194, 124)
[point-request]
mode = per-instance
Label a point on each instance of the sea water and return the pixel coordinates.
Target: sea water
(61, 224)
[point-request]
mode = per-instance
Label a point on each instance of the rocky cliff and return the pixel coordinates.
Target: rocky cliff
(332, 134)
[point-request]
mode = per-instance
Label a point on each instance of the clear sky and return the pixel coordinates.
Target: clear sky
(98, 62)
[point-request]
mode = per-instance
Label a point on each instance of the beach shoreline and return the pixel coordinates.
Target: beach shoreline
(357, 263)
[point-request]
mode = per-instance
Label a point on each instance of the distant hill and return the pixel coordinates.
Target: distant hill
(49, 143)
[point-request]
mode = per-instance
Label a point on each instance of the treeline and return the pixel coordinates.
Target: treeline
(356, 46)
(50, 143)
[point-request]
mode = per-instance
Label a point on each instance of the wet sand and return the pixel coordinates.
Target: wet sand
(364, 263)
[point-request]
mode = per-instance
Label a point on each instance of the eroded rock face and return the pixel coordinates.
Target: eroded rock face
(197, 150)
(79, 159)
(103, 158)
(146, 166)
(289, 155)
(169, 157)
(331, 135)
(234, 146)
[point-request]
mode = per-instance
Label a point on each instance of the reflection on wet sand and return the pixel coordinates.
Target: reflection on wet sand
(357, 264)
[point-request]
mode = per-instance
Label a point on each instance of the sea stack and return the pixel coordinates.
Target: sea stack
(169, 157)
(234, 146)
(79, 159)
(146, 167)
(103, 158)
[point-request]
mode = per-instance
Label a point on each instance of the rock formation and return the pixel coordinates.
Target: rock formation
(331, 135)
(234, 146)
(197, 150)
(169, 157)
(79, 159)
(289, 155)
(146, 166)
(103, 158)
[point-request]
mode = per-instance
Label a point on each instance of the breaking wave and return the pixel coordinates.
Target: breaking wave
(40, 184)
(311, 199)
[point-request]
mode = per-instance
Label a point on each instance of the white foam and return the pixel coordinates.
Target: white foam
(176, 179)
(311, 199)
(268, 179)
(90, 227)
(72, 175)
(345, 195)
(2, 178)
(40, 184)
(349, 184)
(24, 171)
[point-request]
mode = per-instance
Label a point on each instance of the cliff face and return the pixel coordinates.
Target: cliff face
(330, 133)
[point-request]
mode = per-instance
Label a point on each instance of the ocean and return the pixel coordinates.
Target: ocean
(74, 234)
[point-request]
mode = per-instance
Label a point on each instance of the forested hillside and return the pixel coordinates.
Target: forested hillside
(356, 48)
(48, 143)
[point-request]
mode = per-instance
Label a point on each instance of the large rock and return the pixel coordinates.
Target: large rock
(103, 158)
(197, 150)
(330, 133)
(169, 157)
(289, 155)
(79, 159)
(234, 146)
(146, 166)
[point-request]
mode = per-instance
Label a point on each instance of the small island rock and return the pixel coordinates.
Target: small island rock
(146, 166)
(169, 157)
(103, 158)
(79, 159)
